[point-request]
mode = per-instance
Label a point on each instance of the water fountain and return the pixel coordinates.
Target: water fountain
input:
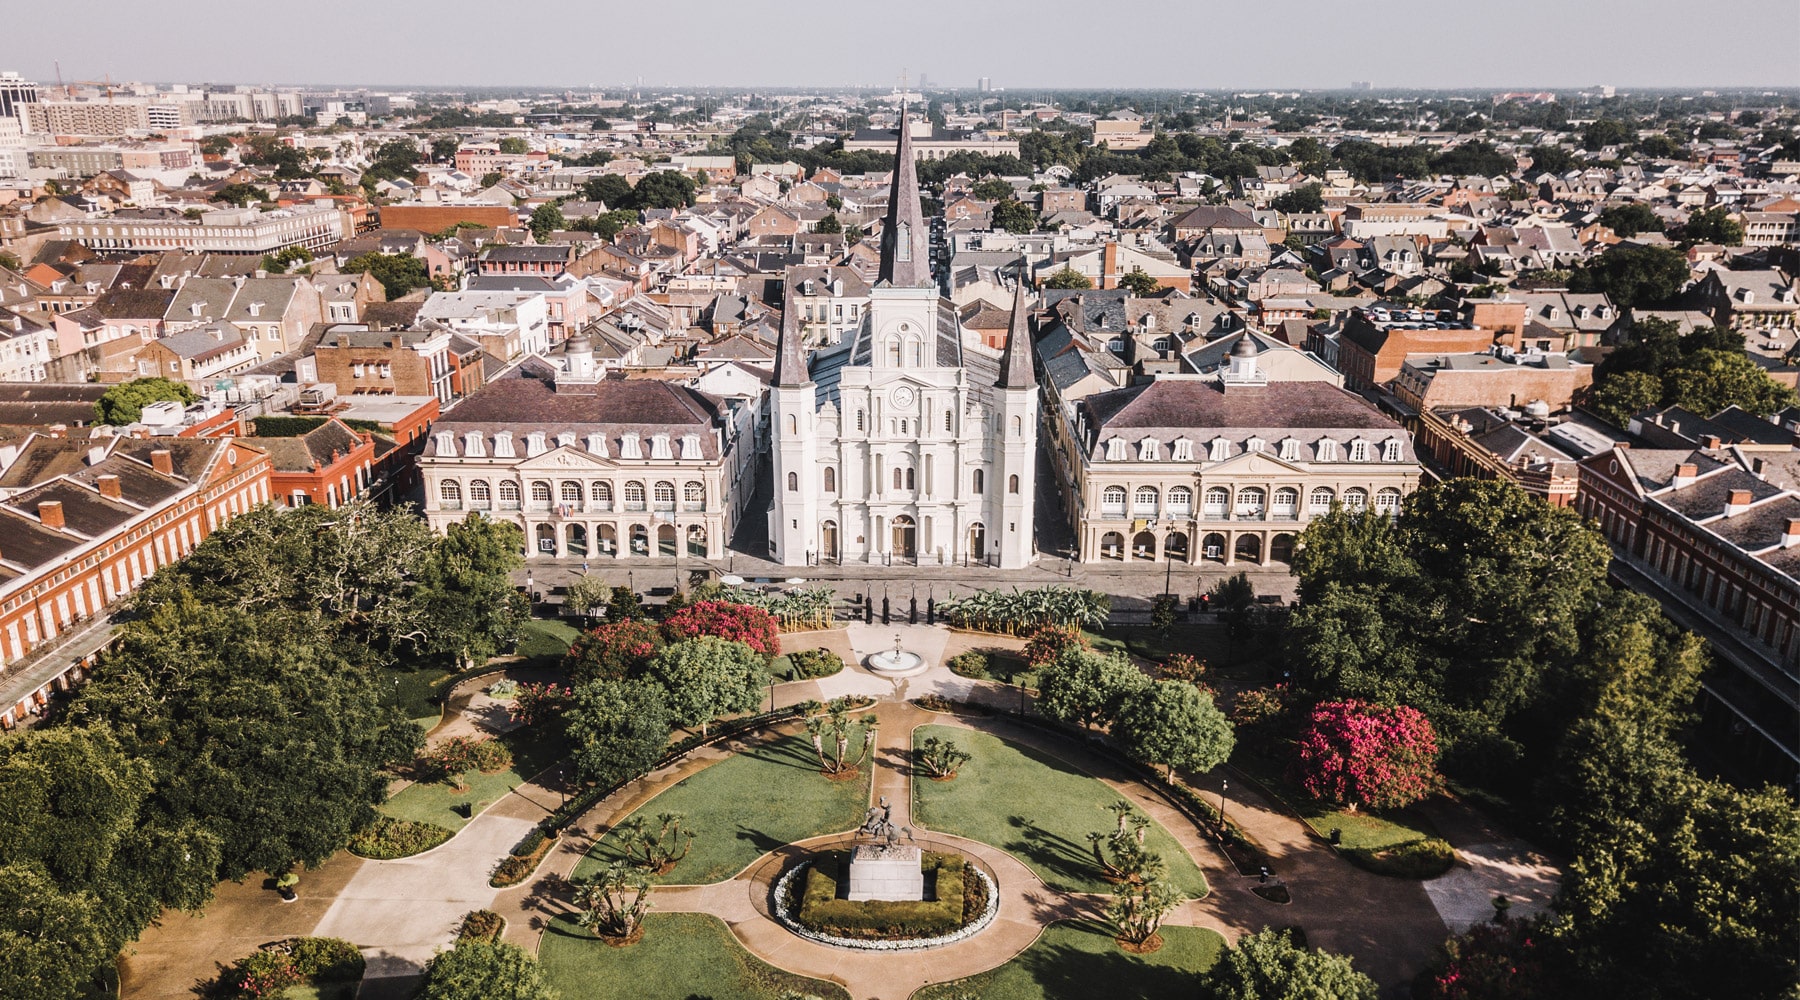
(896, 662)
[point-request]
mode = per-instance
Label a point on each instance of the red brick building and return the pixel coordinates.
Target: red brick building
(1376, 341)
(1714, 535)
(83, 523)
(329, 464)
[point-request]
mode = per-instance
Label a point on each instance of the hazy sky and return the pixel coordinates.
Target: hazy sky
(1196, 44)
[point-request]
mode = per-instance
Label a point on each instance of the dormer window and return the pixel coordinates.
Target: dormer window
(1359, 451)
(474, 445)
(566, 439)
(1115, 450)
(1328, 450)
(596, 444)
(628, 447)
(1290, 450)
(503, 444)
(1254, 444)
(659, 447)
(1184, 450)
(534, 443)
(1149, 450)
(1390, 450)
(446, 444)
(1221, 450)
(690, 448)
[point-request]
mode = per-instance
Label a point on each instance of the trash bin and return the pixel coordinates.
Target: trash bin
(1337, 836)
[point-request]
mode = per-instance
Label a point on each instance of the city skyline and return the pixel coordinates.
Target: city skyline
(1041, 51)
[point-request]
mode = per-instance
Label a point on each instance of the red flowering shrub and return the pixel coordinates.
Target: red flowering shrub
(1490, 962)
(1355, 754)
(753, 627)
(613, 652)
(1255, 706)
(535, 703)
(1047, 643)
(1183, 667)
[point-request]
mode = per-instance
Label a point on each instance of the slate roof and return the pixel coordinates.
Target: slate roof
(525, 399)
(1200, 410)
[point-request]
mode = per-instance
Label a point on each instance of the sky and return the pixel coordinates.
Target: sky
(1191, 45)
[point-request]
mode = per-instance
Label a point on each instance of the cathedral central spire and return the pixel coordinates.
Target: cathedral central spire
(905, 242)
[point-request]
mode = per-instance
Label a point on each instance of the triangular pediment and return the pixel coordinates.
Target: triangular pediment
(1256, 463)
(566, 457)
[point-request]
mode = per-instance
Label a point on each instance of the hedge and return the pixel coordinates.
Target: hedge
(1415, 859)
(809, 664)
(389, 838)
(524, 859)
(821, 910)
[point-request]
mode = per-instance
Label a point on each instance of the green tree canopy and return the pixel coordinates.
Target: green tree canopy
(611, 189)
(1305, 198)
(398, 273)
(1713, 225)
(1068, 278)
(991, 189)
(1631, 219)
(617, 729)
(1086, 687)
(546, 219)
(1174, 724)
(482, 970)
(1634, 276)
(240, 194)
(1014, 216)
(1138, 283)
(1708, 381)
(124, 403)
(1624, 395)
(1268, 965)
(829, 224)
(708, 677)
(512, 145)
(466, 592)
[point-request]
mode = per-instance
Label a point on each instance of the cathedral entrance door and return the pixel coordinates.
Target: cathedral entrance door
(906, 538)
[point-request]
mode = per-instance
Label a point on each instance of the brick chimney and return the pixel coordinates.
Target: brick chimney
(162, 461)
(50, 514)
(1736, 502)
(1790, 536)
(1711, 442)
(108, 486)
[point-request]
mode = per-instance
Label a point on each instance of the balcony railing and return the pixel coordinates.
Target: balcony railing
(634, 505)
(449, 505)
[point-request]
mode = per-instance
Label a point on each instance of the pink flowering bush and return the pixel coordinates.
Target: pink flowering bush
(1490, 962)
(537, 703)
(751, 626)
(1356, 755)
(613, 652)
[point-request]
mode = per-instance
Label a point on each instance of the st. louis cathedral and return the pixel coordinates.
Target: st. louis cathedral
(897, 445)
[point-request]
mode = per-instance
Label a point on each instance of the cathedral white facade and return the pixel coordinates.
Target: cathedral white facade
(897, 446)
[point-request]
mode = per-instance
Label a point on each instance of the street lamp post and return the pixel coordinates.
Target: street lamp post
(1224, 786)
(562, 788)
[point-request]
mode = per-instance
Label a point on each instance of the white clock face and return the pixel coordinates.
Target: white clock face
(903, 396)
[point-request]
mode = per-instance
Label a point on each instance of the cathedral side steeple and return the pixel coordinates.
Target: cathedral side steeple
(905, 242)
(790, 357)
(1015, 363)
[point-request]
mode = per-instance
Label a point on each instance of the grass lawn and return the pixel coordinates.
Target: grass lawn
(1038, 807)
(545, 641)
(434, 802)
(419, 694)
(323, 991)
(1404, 843)
(682, 956)
(1080, 959)
(747, 805)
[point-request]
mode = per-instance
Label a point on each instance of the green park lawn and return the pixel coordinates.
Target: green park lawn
(533, 750)
(1080, 959)
(544, 642)
(1037, 807)
(419, 694)
(748, 805)
(1402, 843)
(682, 956)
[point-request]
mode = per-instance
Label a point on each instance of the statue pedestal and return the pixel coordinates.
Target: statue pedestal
(886, 871)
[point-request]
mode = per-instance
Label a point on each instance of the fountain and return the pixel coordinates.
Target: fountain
(896, 662)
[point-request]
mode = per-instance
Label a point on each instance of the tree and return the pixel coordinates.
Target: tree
(1086, 687)
(617, 729)
(624, 606)
(279, 261)
(468, 603)
(1551, 160)
(1165, 610)
(587, 594)
(1138, 283)
(52, 940)
(124, 403)
(485, 970)
(1268, 965)
(1047, 642)
(941, 758)
(708, 677)
(991, 189)
(752, 626)
(1606, 132)
(1014, 216)
(1623, 396)
(240, 194)
(614, 651)
(491, 178)
(255, 731)
(1304, 199)
(662, 189)
(1491, 961)
(444, 147)
(1232, 593)
(612, 903)
(611, 190)
(1634, 276)
(398, 273)
(1631, 219)
(829, 224)
(1068, 278)
(836, 723)
(1713, 225)
(546, 219)
(512, 145)
(1708, 381)
(658, 850)
(1173, 724)
(1137, 911)
(1355, 755)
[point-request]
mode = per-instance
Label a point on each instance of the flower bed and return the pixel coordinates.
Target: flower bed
(481, 925)
(821, 909)
(524, 860)
(987, 895)
(388, 838)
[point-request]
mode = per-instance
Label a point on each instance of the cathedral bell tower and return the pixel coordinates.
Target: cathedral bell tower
(792, 433)
(1016, 461)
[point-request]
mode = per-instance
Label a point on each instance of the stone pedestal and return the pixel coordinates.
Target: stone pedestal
(886, 871)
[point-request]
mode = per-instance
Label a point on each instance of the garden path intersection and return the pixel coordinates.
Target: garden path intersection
(400, 912)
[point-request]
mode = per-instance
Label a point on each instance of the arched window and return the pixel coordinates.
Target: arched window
(1217, 497)
(571, 491)
(859, 420)
(540, 492)
(1387, 501)
(1112, 500)
(1012, 484)
(980, 480)
(893, 352)
(793, 482)
(450, 491)
(478, 492)
(509, 492)
(793, 424)
(911, 480)
(1181, 500)
(693, 492)
(830, 479)
(600, 493)
(1355, 499)
(1018, 427)
(1287, 500)
(634, 495)
(948, 422)
(898, 478)
(1320, 498)
(665, 495)
(1144, 500)
(915, 350)
(1250, 500)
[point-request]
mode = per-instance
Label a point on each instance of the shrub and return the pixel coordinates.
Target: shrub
(518, 866)
(1048, 643)
(460, 754)
(481, 925)
(1256, 706)
(751, 626)
(389, 838)
(270, 970)
(535, 703)
(1356, 754)
(327, 959)
(934, 703)
(612, 652)
(264, 973)
(807, 664)
(1416, 859)
(820, 908)
(972, 664)
(503, 688)
(1184, 667)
